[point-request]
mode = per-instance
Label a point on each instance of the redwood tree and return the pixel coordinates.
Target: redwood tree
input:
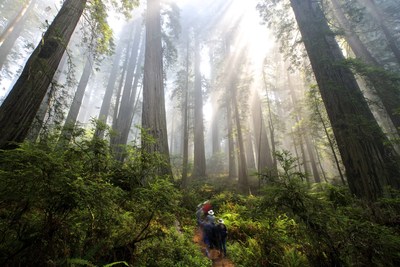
(153, 109)
(370, 161)
(19, 108)
(199, 163)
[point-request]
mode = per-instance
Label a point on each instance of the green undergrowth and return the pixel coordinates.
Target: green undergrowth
(75, 205)
(292, 224)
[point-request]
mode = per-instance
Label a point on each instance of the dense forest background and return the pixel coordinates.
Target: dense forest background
(118, 118)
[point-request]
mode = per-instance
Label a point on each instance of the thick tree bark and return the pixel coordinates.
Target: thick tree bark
(199, 163)
(43, 115)
(21, 105)
(386, 90)
(153, 113)
(358, 47)
(370, 161)
(13, 31)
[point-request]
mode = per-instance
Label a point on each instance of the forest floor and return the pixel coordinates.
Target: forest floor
(214, 255)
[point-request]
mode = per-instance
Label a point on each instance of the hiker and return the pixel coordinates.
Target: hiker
(206, 207)
(207, 233)
(210, 216)
(222, 233)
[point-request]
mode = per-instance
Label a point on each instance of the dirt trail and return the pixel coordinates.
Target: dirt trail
(214, 255)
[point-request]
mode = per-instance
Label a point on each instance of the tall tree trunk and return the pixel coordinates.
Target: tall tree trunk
(299, 133)
(73, 112)
(320, 164)
(330, 141)
(249, 150)
(45, 107)
(185, 112)
(106, 104)
(12, 24)
(126, 123)
(313, 163)
(386, 90)
(370, 161)
(271, 127)
(379, 17)
(358, 47)
(13, 31)
(296, 152)
(199, 164)
(113, 139)
(305, 136)
(153, 113)
(216, 147)
(304, 162)
(231, 143)
(263, 153)
(123, 120)
(242, 165)
(21, 105)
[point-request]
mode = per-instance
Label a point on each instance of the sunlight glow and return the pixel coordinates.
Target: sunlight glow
(208, 111)
(255, 37)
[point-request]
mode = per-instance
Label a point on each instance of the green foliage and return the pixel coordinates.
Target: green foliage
(70, 202)
(174, 249)
(278, 16)
(75, 205)
(374, 72)
(73, 262)
(124, 6)
(291, 224)
(97, 33)
(216, 163)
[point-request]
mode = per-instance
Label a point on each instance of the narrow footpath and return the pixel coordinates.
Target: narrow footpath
(214, 254)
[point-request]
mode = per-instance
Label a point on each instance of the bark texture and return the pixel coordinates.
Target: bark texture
(387, 91)
(369, 161)
(21, 105)
(153, 113)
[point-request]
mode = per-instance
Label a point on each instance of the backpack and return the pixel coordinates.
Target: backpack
(222, 231)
